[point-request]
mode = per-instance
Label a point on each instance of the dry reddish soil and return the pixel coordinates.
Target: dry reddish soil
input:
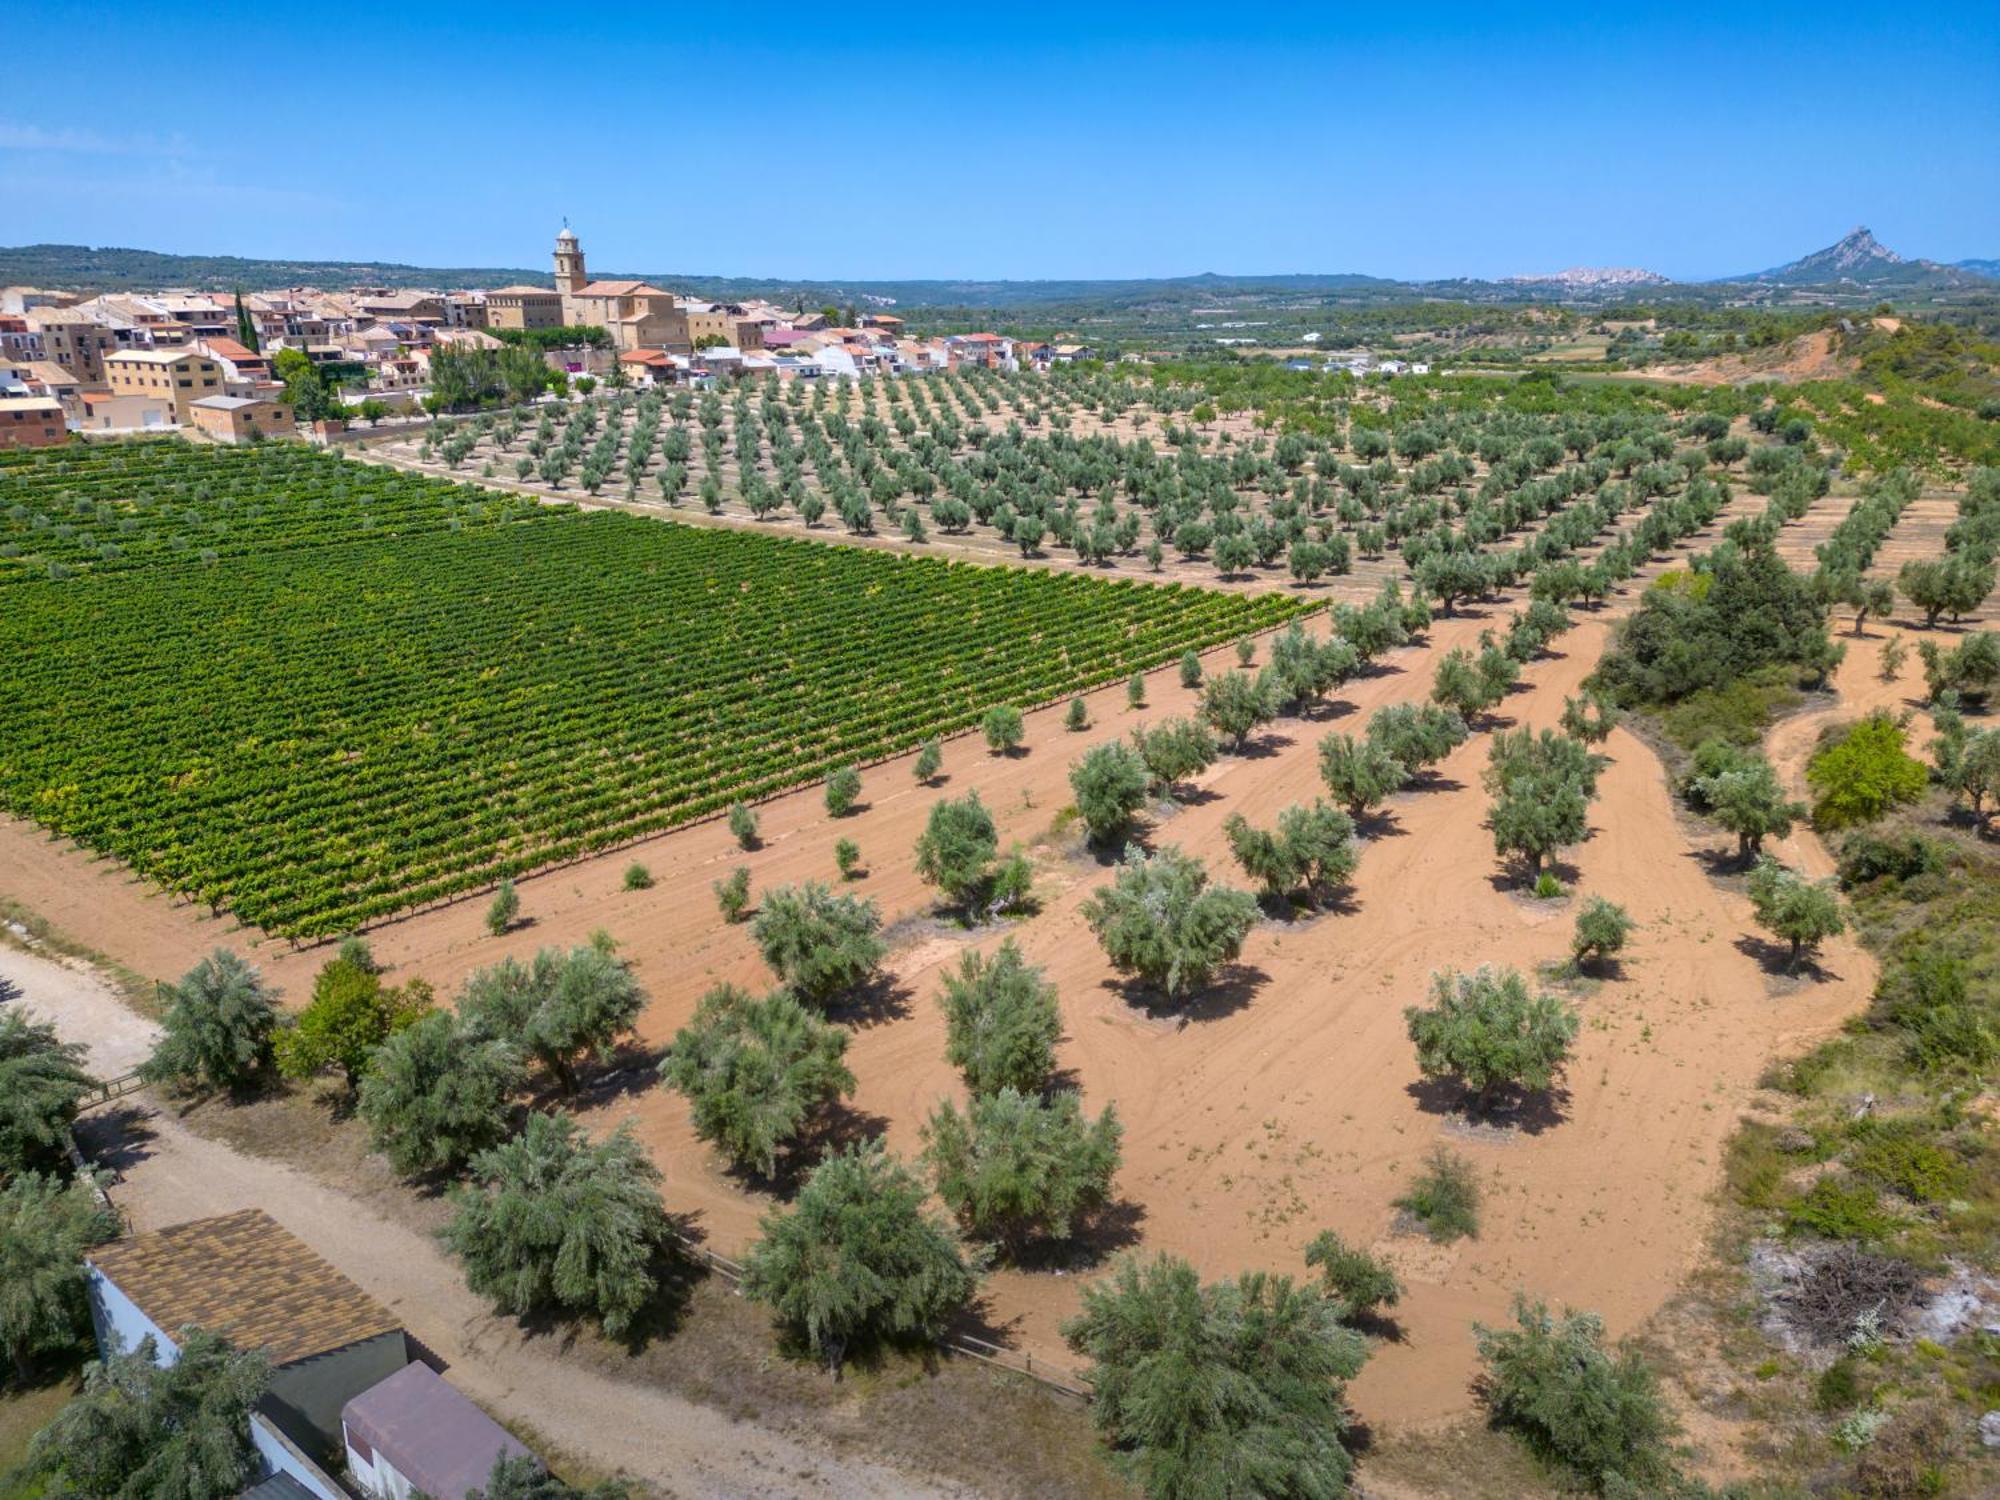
(1287, 1101)
(1808, 357)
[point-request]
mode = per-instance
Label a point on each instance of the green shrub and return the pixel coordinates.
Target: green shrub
(1838, 1209)
(1737, 713)
(1858, 775)
(1357, 1280)
(1866, 857)
(1444, 1198)
(1839, 1385)
(638, 878)
(1902, 1157)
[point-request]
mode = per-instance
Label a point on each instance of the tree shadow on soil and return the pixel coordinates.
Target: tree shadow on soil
(1263, 746)
(1378, 823)
(630, 1071)
(1775, 959)
(1113, 1228)
(117, 1138)
(1510, 879)
(836, 1126)
(1526, 1111)
(879, 999)
(1230, 991)
(1291, 910)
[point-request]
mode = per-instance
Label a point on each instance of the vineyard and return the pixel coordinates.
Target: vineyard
(151, 504)
(353, 691)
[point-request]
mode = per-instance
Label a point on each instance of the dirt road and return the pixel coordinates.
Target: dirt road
(172, 1175)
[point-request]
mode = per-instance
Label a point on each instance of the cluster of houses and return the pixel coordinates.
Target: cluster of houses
(123, 363)
(349, 1411)
(1360, 365)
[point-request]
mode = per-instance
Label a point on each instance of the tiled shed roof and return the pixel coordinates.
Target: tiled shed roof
(243, 1276)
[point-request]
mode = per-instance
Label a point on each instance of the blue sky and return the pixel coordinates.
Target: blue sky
(879, 140)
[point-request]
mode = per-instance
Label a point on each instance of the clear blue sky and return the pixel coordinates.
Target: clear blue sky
(1003, 140)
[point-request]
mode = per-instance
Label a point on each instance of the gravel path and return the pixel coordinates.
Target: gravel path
(169, 1175)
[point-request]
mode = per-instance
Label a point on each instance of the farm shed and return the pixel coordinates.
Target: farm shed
(414, 1432)
(243, 1276)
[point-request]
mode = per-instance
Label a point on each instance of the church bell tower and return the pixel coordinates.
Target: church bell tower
(570, 277)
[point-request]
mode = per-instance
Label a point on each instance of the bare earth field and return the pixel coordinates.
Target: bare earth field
(1286, 1101)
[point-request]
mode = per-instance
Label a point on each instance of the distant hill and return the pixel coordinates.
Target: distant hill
(1855, 270)
(1860, 259)
(1989, 268)
(110, 269)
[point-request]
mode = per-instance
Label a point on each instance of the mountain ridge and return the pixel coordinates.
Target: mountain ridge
(1856, 263)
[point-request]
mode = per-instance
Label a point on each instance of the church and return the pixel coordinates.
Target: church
(635, 314)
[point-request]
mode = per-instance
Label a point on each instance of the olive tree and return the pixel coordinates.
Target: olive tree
(216, 1027)
(1002, 1022)
(1801, 912)
(554, 1221)
(1110, 784)
(843, 790)
(1311, 851)
(1235, 704)
(1594, 1408)
(956, 850)
(1233, 1388)
(504, 909)
(46, 1226)
(558, 1008)
(1361, 773)
(1542, 788)
(755, 1072)
(1161, 921)
(1749, 801)
(140, 1427)
(1487, 1031)
(1416, 735)
(1602, 929)
(859, 1258)
(1459, 685)
(1003, 728)
(437, 1093)
(818, 944)
(1019, 1167)
(1174, 751)
(42, 1082)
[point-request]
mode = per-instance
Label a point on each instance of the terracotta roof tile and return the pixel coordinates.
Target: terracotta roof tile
(243, 1276)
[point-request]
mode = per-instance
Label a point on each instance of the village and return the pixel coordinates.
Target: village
(209, 364)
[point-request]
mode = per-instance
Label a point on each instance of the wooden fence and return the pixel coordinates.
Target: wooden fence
(1058, 1378)
(111, 1088)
